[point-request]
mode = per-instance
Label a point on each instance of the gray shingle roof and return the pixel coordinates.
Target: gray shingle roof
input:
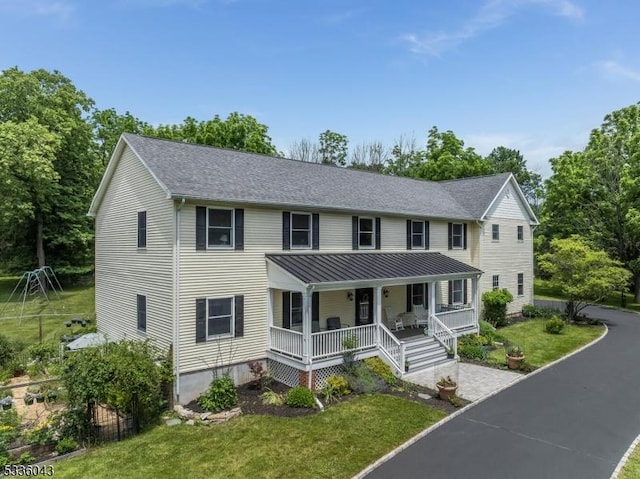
(339, 267)
(476, 194)
(208, 173)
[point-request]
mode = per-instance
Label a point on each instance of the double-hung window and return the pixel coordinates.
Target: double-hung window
(417, 234)
(495, 232)
(300, 230)
(142, 229)
(220, 228)
(457, 235)
(520, 233)
(220, 317)
(495, 282)
(141, 311)
(366, 233)
(296, 310)
(520, 284)
(457, 292)
(417, 294)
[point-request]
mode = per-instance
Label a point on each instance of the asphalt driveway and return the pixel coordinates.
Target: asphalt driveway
(573, 420)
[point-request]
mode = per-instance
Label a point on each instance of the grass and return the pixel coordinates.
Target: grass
(631, 469)
(76, 301)
(541, 348)
(543, 290)
(335, 444)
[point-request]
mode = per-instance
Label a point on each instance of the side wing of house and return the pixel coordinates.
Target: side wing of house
(133, 251)
(506, 247)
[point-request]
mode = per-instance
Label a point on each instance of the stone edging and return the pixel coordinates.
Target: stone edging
(625, 458)
(450, 417)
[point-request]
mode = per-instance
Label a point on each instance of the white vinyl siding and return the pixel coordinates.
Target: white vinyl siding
(121, 267)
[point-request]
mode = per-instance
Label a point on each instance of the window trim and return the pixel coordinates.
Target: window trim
(232, 243)
(495, 232)
(141, 312)
(454, 291)
(495, 282)
(453, 236)
(520, 285)
(232, 322)
(422, 235)
(144, 228)
(372, 232)
(309, 231)
(520, 233)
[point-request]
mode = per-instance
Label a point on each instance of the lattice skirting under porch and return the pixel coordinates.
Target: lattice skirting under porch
(291, 376)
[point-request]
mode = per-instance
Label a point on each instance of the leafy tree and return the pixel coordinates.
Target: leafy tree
(583, 275)
(56, 223)
(333, 148)
(238, 132)
(508, 160)
(109, 125)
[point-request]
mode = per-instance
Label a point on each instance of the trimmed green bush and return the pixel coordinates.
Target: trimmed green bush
(66, 445)
(300, 396)
(339, 384)
(495, 306)
(554, 325)
(470, 347)
(532, 311)
(382, 369)
(221, 395)
(489, 333)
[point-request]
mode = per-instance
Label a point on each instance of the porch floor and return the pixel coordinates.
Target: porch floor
(408, 333)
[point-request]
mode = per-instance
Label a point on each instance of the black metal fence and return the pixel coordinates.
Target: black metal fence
(107, 424)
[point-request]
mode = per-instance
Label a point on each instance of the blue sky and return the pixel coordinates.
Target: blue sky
(536, 75)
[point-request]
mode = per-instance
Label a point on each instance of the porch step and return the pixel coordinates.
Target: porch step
(423, 353)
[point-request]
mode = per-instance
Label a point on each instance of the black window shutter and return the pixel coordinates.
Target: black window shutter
(354, 232)
(426, 295)
(239, 228)
(142, 229)
(464, 291)
(201, 320)
(239, 315)
(315, 306)
(286, 310)
(450, 235)
(464, 236)
(409, 308)
(450, 292)
(426, 235)
(378, 241)
(286, 230)
(409, 239)
(315, 231)
(201, 227)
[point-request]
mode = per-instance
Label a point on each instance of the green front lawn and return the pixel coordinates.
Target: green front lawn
(541, 348)
(77, 301)
(334, 444)
(631, 469)
(543, 290)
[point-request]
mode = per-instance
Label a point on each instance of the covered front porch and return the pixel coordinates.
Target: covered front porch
(407, 308)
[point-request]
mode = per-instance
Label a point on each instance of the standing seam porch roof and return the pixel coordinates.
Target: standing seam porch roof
(316, 268)
(198, 172)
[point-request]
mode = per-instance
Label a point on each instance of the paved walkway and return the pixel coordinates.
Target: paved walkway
(474, 382)
(575, 419)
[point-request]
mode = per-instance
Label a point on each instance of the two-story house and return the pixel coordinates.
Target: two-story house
(231, 257)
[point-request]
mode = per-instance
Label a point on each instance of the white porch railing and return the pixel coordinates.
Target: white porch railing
(392, 347)
(286, 341)
(457, 319)
(329, 343)
(443, 334)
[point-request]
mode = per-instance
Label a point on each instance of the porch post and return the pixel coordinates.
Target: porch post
(307, 347)
(474, 299)
(377, 319)
(269, 315)
(433, 307)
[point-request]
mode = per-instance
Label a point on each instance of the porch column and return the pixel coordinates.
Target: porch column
(377, 318)
(307, 345)
(433, 307)
(269, 315)
(474, 299)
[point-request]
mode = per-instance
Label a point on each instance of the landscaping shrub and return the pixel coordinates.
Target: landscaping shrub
(363, 380)
(271, 398)
(300, 396)
(470, 347)
(382, 369)
(554, 325)
(495, 306)
(9, 352)
(532, 311)
(42, 352)
(220, 396)
(339, 384)
(66, 445)
(489, 333)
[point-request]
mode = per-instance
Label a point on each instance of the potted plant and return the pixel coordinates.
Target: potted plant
(7, 402)
(515, 357)
(406, 366)
(28, 398)
(447, 387)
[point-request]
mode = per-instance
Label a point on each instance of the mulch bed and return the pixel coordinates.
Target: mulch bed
(250, 402)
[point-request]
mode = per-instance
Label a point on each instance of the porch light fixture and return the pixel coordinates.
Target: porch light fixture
(385, 291)
(350, 296)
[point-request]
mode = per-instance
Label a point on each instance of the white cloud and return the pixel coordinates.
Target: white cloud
(491, 14)
(61, 9)
(614, 69)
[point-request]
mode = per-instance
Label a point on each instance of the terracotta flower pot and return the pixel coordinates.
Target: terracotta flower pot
(446, 392)
(514, 362)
